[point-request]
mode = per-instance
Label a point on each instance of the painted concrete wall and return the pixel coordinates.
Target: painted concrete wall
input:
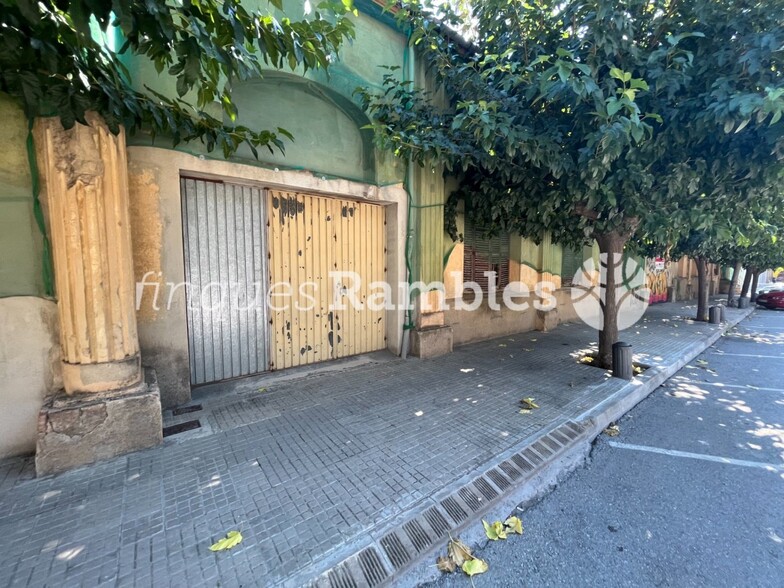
(327, 140)
(485, 323)
(29, 368)
(20, 239)
(156, 219)
(529, 263)
(29, 348)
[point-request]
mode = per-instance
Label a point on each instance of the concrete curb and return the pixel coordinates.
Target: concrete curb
(597, 418)
(403, 552)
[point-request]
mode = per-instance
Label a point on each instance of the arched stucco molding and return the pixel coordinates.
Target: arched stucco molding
(329, 138)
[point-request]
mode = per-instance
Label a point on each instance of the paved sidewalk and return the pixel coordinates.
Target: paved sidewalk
(694, 476)
(310, 469)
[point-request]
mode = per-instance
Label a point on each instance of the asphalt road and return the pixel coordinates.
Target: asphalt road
(691, 493)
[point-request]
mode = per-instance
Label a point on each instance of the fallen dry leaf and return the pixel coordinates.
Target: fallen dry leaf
(445, 564)
(612, 430)
(232, 539)
(528, 403)
(458, 552)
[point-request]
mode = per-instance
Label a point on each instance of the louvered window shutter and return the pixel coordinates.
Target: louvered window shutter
(571, 261)
(485, 255)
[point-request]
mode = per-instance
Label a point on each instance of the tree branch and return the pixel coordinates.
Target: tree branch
(581, 209)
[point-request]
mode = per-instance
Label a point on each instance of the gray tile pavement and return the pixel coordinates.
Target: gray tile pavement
(303, 466)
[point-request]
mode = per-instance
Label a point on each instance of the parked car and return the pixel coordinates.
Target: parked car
(771, 300)
(770, 287)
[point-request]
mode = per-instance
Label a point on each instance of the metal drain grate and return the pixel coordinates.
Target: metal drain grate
(436, 521)
(485, 488)
(560, 437)
(542, 449)
(522, 463)
(419, 539)
(395, 551)
(371, 566)
(453, 510)
(551, 443)
(186, 409)
(532, 456)
(472, 500)
(511, 471)
(340, 577)
(181, 428)
(498, 479)
(567, 432)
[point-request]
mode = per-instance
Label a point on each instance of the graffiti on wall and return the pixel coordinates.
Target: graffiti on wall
(657, 275)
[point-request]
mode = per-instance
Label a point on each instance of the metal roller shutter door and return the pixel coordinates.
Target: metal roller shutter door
(224, 243)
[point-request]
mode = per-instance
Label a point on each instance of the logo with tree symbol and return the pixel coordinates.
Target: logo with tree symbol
(590, 291)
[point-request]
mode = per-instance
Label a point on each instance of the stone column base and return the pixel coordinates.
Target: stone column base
(102, 377)
(432, 342)
(78, 430)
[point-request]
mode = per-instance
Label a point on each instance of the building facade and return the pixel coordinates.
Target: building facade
(142, 271)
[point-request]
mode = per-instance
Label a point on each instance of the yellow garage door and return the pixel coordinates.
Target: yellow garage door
(324, 254)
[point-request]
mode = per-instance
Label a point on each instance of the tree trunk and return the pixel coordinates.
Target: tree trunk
(746, 283)
(703, 293)
(754, 284)
(611, 247)
(734, 283)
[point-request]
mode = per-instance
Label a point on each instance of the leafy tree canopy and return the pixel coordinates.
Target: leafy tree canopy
(54, 63)
(594, 119)
(590, 117)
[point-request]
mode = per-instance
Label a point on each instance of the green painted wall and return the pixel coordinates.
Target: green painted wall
(427, 218)
(551, 256)
(525, 251)
(318, 109)
(326, 129)
(20, 239)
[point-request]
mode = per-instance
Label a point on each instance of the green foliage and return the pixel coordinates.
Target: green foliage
(53, 60)
(594, 119)
(590, 117)
(752, 236)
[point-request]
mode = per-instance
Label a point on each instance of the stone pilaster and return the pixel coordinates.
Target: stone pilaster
(106, 408)
(85, 183)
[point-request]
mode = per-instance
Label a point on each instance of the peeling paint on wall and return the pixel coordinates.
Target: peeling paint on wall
(146, 233)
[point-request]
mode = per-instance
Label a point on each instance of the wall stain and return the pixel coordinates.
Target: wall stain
(146, 234)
